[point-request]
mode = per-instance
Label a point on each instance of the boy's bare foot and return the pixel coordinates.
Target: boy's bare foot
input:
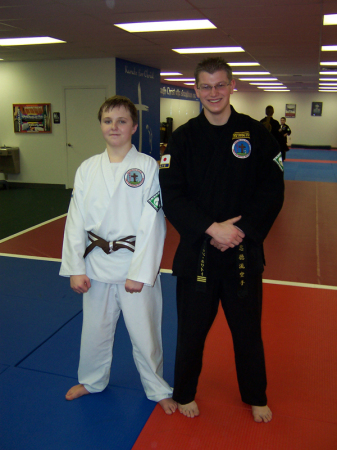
(262, 413)
(168, 405)
(76, 392)
(189, 410)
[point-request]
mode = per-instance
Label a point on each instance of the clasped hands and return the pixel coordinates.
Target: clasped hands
(225, 234)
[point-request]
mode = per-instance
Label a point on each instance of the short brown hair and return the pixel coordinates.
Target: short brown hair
(117, 101)
(269, 110)
(212, 65)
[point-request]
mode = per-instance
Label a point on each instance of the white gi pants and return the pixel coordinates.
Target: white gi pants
(142, 314)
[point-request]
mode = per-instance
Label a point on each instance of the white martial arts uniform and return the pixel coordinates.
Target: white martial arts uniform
(114, 201)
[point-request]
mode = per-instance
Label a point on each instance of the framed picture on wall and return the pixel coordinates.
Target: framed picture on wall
(316, 108)
(32, 118)
(290, 110)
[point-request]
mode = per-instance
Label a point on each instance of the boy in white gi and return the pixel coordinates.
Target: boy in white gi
(112, 248)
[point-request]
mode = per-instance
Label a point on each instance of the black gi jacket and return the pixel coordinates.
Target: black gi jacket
(208, 181)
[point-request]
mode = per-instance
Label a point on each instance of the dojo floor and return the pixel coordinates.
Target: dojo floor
(40, 326)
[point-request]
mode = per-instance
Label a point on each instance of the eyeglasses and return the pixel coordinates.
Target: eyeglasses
(218, 87)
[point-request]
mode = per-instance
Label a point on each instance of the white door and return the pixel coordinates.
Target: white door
(84, 137)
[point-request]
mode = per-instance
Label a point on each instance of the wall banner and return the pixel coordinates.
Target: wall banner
(141, 85)
(177, 92)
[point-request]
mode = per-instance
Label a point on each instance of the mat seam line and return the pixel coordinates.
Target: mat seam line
(47, 339)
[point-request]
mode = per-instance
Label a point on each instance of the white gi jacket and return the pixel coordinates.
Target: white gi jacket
(113, 207)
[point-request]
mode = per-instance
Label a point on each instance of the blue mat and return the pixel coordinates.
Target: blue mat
(303, 171)
(34, 415)
(35, 303)
(3, 368)
(40, 330)
(323, 155)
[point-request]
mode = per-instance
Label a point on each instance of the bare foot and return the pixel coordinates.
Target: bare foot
(168, 405)
(189, 410)
(262, 413)
(76, 392)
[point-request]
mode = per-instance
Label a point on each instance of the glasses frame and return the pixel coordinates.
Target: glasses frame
(209, 87)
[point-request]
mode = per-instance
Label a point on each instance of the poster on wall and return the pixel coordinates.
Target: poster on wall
(141, 84)
(32, 118)
(316, 108)
(290, 110)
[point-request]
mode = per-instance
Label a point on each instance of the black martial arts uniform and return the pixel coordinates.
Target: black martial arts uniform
(285, 131)
(212, 174)
(274, 128)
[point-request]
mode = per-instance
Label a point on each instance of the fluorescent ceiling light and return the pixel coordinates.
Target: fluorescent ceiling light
(327, 84)
(251, 73)
(277, 90)
(327, 87)
(266, 84)
(328, 63)
(167, 74)
(272, 87)
(243, 64)
(328, 90)
(328, 73)
(208, 50)
(179, 79)
(258, 79)
(328, 79)
(30, 41)
(166, 25)
(329, 48)
(189, 84)
(330, 19)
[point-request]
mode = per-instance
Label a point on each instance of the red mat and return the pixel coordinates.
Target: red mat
(300, 343)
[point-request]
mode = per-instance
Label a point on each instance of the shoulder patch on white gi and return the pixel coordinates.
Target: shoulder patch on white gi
(279, 161)
(134, 178)
(241, 148)
(165, 162)
(241, 135)
(155, 201)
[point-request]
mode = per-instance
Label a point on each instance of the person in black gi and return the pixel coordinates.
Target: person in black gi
(273, 126)
(222, 187)
(285, 132)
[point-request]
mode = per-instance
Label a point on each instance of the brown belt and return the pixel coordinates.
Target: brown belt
(109, 247)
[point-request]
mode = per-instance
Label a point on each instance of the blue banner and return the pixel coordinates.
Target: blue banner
(141, 85)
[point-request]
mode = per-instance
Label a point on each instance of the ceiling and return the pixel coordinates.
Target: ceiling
(284, 37)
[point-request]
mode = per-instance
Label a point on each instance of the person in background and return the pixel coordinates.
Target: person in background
(273, 127)
(285, 131)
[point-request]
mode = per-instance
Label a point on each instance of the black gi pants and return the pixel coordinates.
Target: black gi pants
(196, 313)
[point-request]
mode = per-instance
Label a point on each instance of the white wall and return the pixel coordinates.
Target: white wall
(180, 110)
(43, 156)
(306, 129)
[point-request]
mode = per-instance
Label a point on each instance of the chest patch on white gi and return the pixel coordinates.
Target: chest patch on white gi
(165, 162)
(241, 148)
(279, 161)
(134, 178)
(155, 201)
